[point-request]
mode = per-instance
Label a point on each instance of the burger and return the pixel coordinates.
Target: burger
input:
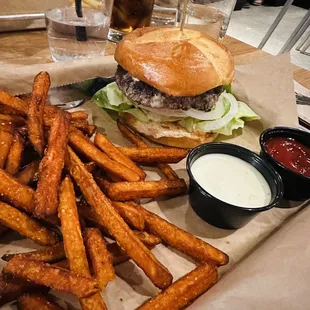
(173, 87)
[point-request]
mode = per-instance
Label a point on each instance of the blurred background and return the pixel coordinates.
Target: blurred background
(249, 23)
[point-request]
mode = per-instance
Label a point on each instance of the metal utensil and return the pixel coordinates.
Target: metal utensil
(70, 105)
(67, 97)
(301, 99)
(74, 95)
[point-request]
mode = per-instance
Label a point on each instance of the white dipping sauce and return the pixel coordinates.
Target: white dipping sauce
(232, 180)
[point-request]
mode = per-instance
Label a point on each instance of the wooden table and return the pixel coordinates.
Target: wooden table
(31, 47)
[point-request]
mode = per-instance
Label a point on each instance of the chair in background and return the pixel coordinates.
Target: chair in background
(304, 45)
(295, 36)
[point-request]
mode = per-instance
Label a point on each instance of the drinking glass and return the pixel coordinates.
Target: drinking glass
(74, 34)
(128, 15)
(208, 16)
(165, 13)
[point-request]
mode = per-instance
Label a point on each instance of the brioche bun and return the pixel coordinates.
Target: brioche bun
(176, 63)
(169, 134)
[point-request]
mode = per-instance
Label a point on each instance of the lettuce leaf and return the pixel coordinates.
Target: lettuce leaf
(245, 113)
(228, 88)
(111, 98)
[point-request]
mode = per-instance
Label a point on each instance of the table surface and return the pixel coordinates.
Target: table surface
(31, 47)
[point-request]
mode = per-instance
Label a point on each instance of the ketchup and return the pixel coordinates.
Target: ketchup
(290, 153)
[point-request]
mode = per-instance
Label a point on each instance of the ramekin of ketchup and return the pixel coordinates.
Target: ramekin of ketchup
(288, 151)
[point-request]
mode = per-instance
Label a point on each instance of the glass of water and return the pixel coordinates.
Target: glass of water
(72, 37)
(208, 16)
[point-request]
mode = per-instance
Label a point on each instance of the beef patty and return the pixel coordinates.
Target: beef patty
(143, 94)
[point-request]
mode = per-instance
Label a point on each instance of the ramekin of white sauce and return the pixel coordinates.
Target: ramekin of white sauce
(229, 184)
(232, 180)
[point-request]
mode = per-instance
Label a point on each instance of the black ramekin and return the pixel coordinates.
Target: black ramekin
(296, 185)
(218, 212)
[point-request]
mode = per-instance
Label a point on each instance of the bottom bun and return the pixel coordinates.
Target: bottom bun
(169, 134)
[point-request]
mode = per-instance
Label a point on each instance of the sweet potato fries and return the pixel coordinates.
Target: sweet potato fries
(73, 194)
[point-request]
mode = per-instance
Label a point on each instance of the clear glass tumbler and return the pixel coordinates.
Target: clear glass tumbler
(82, 34)
(128, 15)
(208, 16)
(165, 13)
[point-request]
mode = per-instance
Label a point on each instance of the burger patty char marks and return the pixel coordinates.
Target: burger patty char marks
(143, 94)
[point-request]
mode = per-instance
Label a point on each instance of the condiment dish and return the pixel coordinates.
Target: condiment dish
(296, 185)
(218, 212)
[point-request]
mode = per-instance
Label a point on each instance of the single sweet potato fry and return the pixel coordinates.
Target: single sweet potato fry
(148, 239)
(53, 277)
(25, 225)
(35, 112)
(84, 126)
(71, 229)
(114, 153)
(14, 102)
(100, 257)
(181, 240)
(133, 218)
(131, 136)
(36, 301)
(50, 169)
(48, 254)
(168, 172)
(6, 139)
(73, 241)
(154, 155)
(14, 157)
(15, 193)
(184, 291)
(79, 115)
(123, 191)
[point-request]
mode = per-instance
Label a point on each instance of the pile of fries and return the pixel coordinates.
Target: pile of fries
(79, 200)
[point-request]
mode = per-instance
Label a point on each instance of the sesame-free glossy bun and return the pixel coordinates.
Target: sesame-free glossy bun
(176, 63)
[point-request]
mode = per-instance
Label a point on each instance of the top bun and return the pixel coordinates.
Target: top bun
(176, 63)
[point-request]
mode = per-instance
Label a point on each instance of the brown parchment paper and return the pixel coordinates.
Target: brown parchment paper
(18, 79)
(267, 86)
(275, 276)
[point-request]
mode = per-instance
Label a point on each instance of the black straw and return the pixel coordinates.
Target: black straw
(80, 31)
